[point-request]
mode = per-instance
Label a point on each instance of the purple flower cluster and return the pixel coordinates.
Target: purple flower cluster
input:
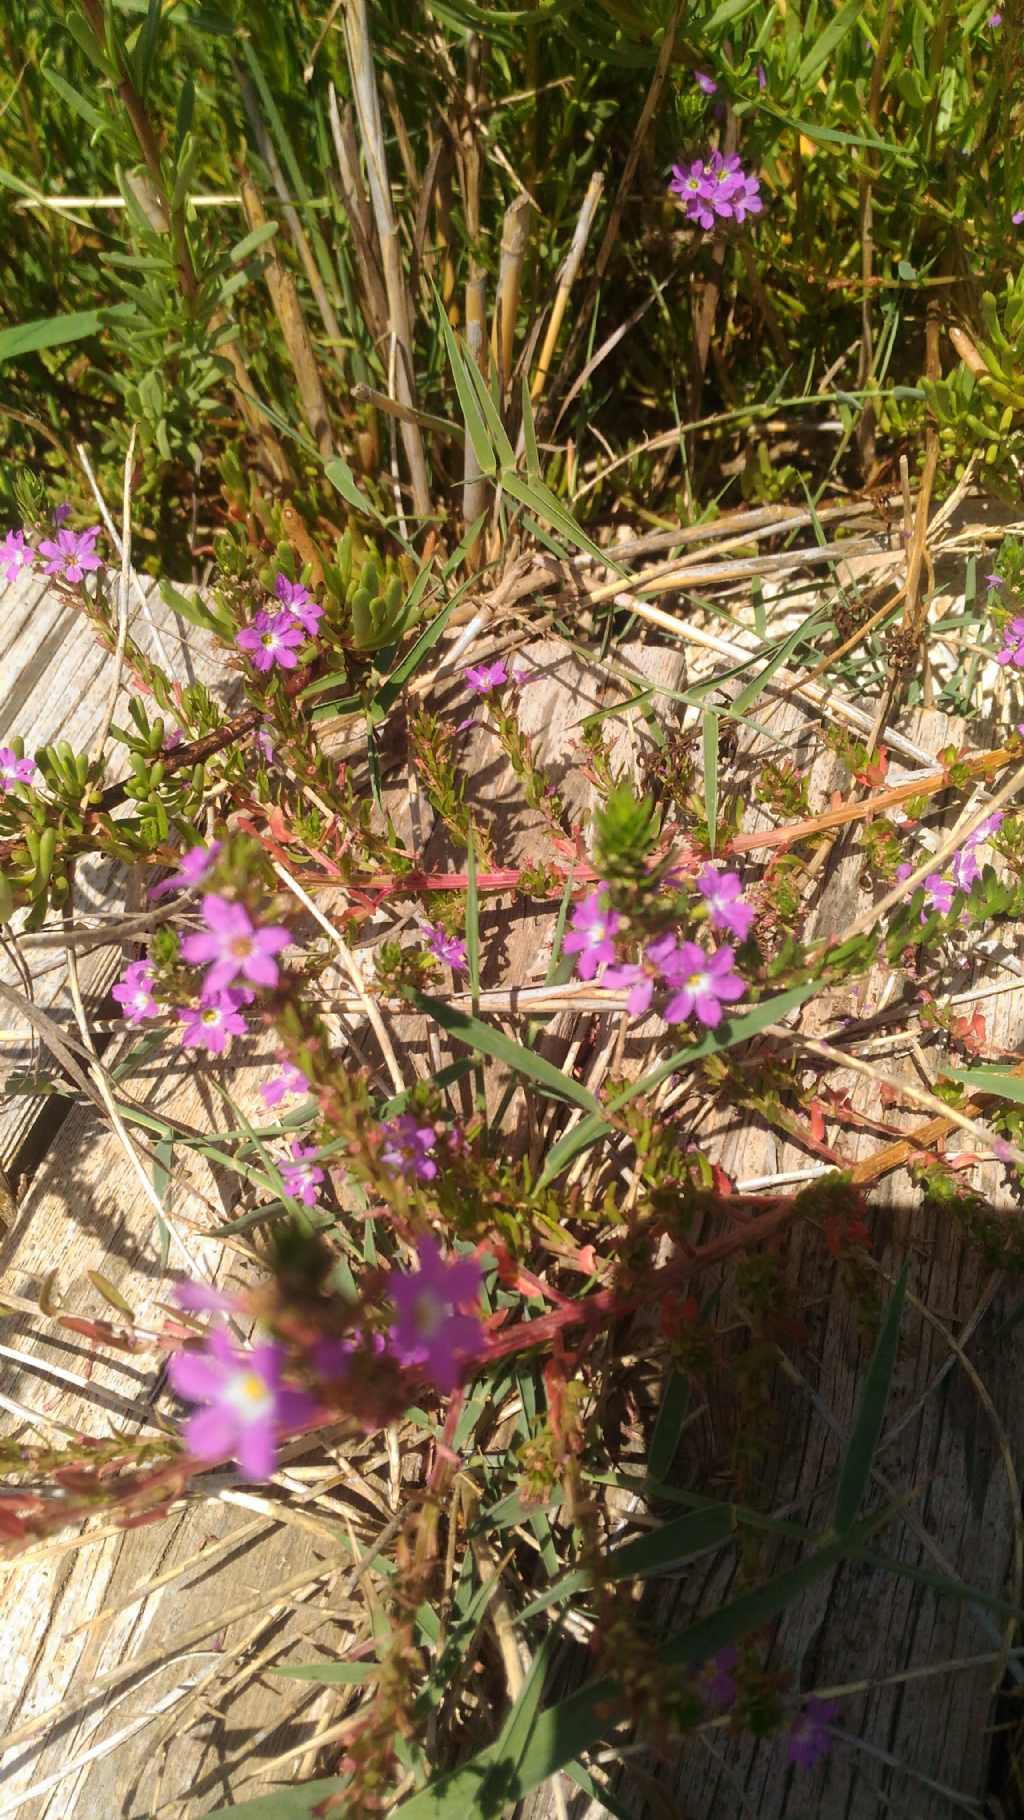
(446, 948)
(14, 770)
(716, 189)
(275, 638)
(697, 982)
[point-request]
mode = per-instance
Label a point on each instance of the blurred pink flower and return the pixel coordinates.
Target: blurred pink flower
(429, 1332)
(231, 944)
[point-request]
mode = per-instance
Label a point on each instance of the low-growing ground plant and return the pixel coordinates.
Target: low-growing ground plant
(407, 343)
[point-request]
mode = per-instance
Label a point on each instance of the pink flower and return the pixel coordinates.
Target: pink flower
(265, 743)
(409, 1147)
(661, 956)
(272, 640)
(482, 678)
(290, 1080)
(72, 553)
(16, 553)
(447, 948)
(202, 1298)
(1013, 644)
(809, 1738)
(299, 603)
(716, 189)
(706, 83)
(14, 770)
(233, 945)
(246, 1402)
(705, 983)
(1017, 217)
(429, 1333)
(593, 925)
(965, 867)
(726, 909)
(134, 993)
(301, 1178)
(195, 864)
(209, 1025)
(762, 78)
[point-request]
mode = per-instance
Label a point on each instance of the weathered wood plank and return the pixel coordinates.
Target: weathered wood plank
(55, 679)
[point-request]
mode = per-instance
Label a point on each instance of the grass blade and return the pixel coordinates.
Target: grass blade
(856, 1470)
(487, 1041)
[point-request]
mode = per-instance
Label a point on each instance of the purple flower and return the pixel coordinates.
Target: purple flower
(716, 1682)
(726, 909)
(134, 993)
(14, 770)
(762, 78)
(938, 891)
(705, 83)
(202, 1298)
(272, 639)
(660, 957)
(290, 1080)
(1013, 644)
(715, 189)
(72, 553)
(429, 1332)
(965, 867)
(994, 20)
(995, 581)
(209, 1024)
(593, 925)
(61, 514)
(301, 1178)
(408, 1147)
(265, 743)
(233, 945)
(482, 678)
(300, 603)
(1017, 217)
(705, 983)
(194, 866)
(809, 1739)
(246, 1402)
(447, 948)
(16, 553)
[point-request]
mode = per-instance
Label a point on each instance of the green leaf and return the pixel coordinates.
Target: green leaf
(487, 1041)
(571, 1727)
(991, 1080)
(540, 500)
(286, 1804)
(830, 40)
(783, 652)
(56, 331)
(856, 1469)
(675, 1407)
(330, 1674)
(733, 1030)
(476, 429)
(711, 774)
(341, 476)
(76, 102)
(511, 1745)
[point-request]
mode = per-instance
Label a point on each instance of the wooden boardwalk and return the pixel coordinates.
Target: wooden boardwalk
(137, 1681)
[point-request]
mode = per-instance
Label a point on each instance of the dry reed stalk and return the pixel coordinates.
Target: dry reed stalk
(300, 239)
(288, 310)
(364, 88)
(474, 486)
(567, 275)
(375, 301)
(515, 234)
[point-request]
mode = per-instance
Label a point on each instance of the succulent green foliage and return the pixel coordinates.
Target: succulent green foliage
(626, 831)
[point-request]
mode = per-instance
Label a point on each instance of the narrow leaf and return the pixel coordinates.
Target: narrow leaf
(856, 1469)
(487, 1041)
